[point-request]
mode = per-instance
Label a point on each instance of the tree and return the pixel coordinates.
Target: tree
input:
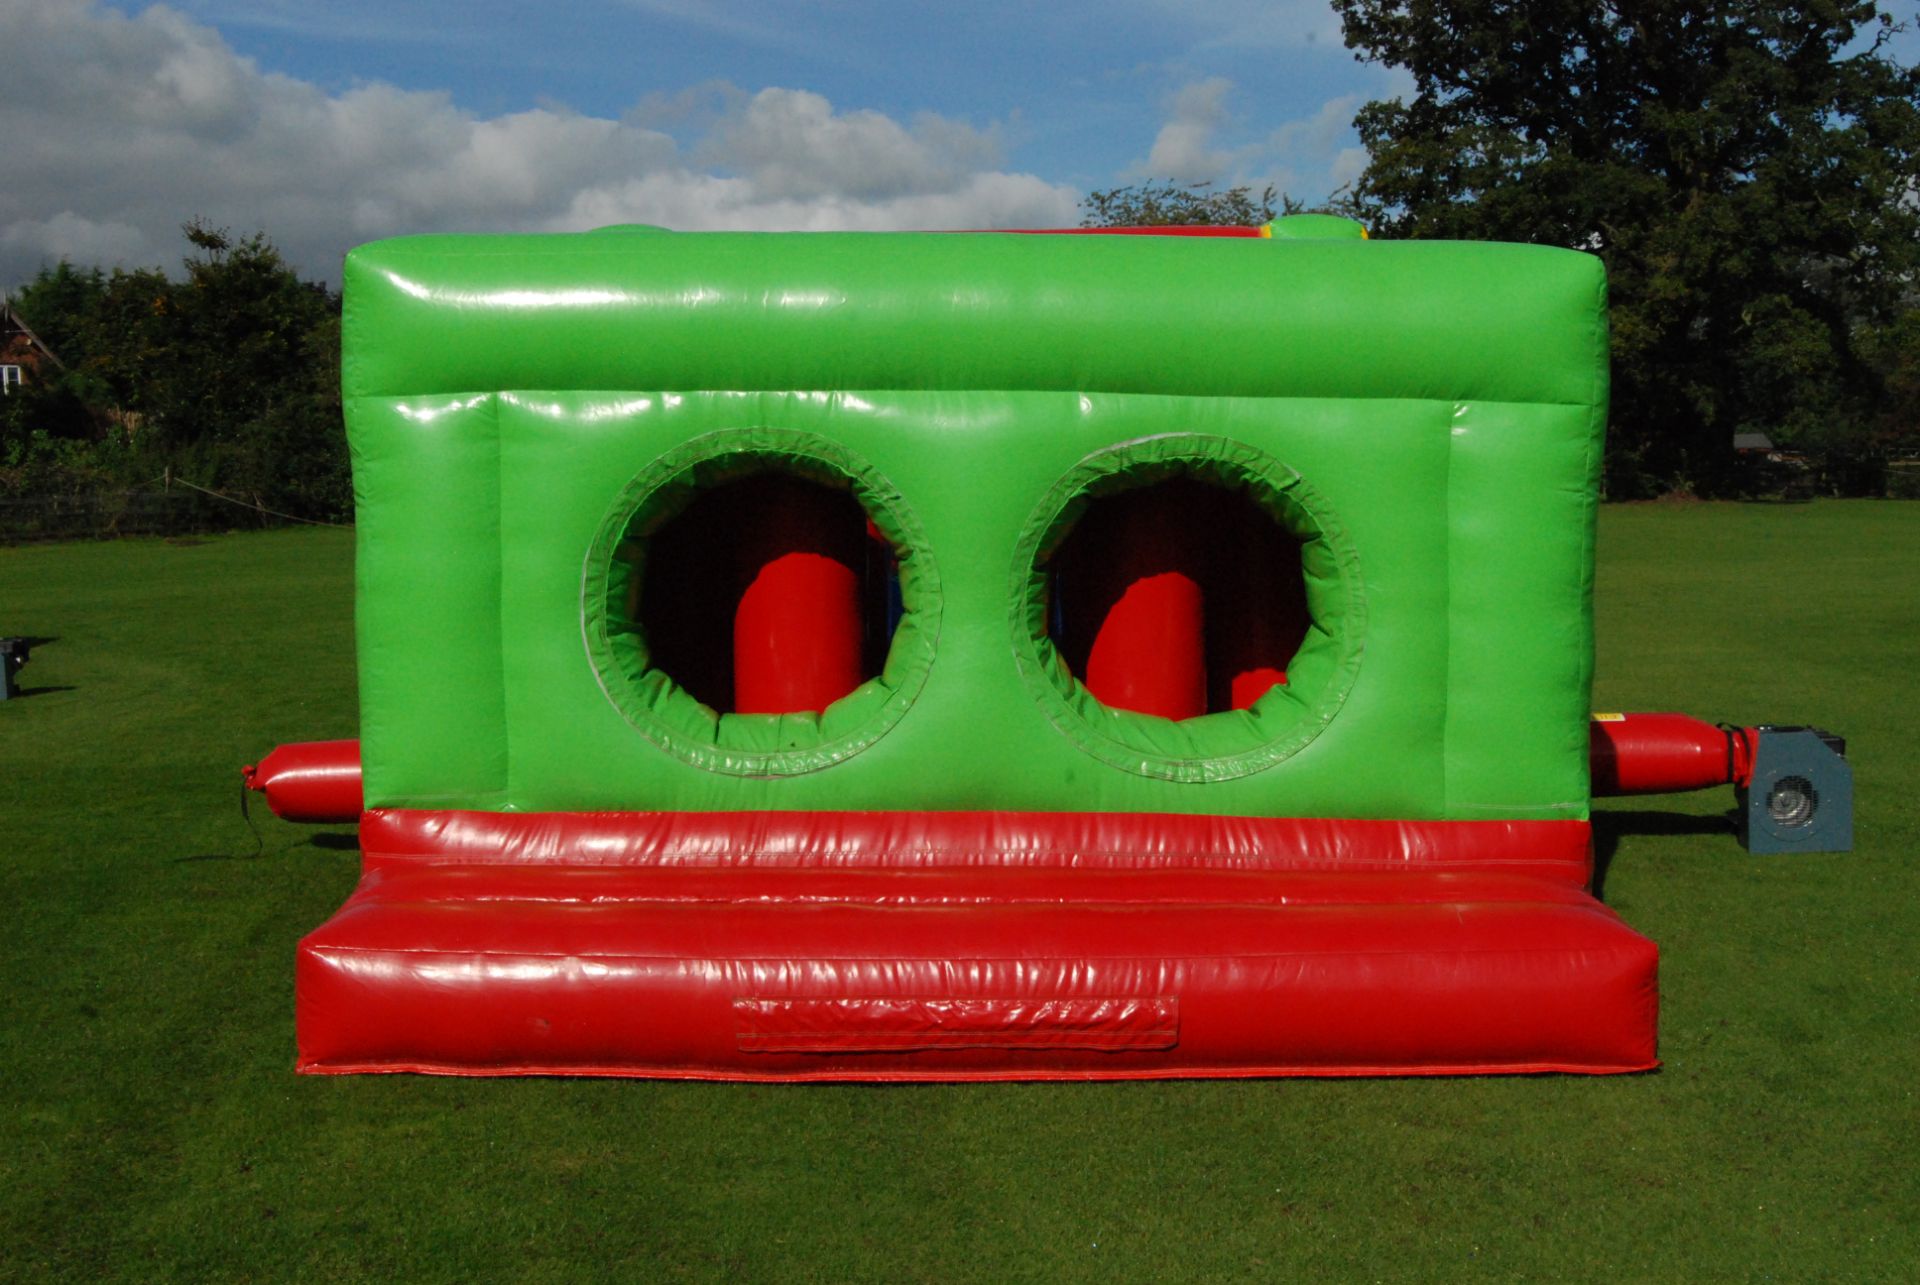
(1159, 205)
(48, 434)
(240, 385)
(228, 375)
(1748, 170)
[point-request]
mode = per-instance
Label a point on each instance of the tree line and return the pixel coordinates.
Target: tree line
(1749, 171)
(226, 375)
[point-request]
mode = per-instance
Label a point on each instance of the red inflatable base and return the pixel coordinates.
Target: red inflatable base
(976, 946)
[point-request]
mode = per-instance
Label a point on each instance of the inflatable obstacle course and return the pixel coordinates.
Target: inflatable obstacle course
(973, 657)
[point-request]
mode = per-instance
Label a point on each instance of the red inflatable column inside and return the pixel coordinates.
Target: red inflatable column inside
(1258, 612)
(797, 630)
(1142, 580)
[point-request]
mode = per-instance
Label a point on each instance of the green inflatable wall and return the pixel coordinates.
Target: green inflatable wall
(1425, 418)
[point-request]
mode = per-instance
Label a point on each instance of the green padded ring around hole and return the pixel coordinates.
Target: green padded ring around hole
(1215, 746)
(673, 718)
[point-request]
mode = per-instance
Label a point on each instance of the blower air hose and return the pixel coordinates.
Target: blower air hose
(312, 781)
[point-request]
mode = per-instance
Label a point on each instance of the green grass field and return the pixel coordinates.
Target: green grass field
(153, 1128)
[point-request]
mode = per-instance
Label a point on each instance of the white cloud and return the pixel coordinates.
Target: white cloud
(121, 128)
(714, 202)
(1348, 164)
(1317, 135)
(793, 145)
(1315, 155)
(1183, 150)
(1307, 158)
(67, 235)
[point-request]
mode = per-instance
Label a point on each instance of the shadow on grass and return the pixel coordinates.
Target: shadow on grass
(325, 842)
(1610, 827)
(32, 641)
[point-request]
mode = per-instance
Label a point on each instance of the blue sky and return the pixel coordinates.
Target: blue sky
(326, 124)
(1079, 89)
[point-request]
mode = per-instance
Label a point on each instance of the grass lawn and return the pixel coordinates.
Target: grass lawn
(151, 1126)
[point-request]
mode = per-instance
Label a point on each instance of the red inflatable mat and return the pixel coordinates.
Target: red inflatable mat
(678, 960)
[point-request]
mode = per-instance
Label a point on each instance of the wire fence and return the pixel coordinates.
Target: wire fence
(170, 506)
(166, 506)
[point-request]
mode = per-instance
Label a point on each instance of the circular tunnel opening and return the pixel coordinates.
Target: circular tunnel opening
(1179, 598)
(770, 594)
(760, 602)
(1187, 608)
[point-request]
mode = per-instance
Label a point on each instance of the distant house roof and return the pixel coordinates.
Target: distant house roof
(15, 334)
(1752, 442)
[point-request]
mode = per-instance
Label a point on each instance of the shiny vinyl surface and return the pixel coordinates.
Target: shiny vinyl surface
(969, 866)
(1443, 403)
(889, 947)
(312, 781)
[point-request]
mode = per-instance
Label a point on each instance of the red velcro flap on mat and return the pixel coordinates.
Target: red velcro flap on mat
(904, 1025)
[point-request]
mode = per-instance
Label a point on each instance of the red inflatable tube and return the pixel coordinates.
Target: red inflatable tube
(315, 781)
(1666, 753)
(901, 843)
(319, 781)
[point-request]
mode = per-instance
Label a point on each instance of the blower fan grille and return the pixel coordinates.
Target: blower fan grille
(1800, 795)
(1792, 802)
